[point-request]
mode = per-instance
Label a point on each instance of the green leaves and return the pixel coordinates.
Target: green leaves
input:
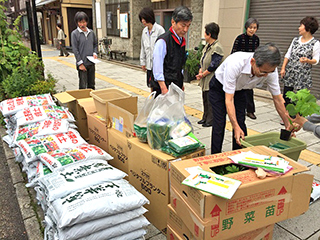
(303, 103)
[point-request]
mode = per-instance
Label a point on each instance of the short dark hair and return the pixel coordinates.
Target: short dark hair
(267, 54)
(251, 21)
(182, 13)
(311, 24)
(212, 29)
(148, 15)
(59, 25)
(81, 16)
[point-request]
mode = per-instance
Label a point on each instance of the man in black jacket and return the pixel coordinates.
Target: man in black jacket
(84, 44)
(169, 53)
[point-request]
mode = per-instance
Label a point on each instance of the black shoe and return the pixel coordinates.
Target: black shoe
(202, 121)
(67, 55)
(60, 55)
(251, 115)
(206, 125)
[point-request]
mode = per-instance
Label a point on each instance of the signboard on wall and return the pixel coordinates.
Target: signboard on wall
(124, 25)
(98, 15)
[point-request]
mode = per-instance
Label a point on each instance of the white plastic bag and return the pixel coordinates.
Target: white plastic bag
(140, 124)
(61, 157)
(167, 113)
(77, 176)
(137, 235)
(97, 201)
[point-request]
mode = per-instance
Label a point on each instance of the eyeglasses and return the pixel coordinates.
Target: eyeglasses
(263, 72)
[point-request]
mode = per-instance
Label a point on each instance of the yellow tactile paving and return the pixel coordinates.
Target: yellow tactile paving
(305, 155)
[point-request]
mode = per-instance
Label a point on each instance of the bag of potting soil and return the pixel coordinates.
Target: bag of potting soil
(76, 176)
(137, 235)
(11, 106)
(40, 113)
(119, 230)
(32, 147)
(18, 154)
(45, 127)
(36, 170)
(97, 201)
(80, 230)
(140, 124)
(315, 194)
(60, 157)
(167, 113)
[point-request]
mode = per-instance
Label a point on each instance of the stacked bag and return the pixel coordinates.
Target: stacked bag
(163, 123)
(82, 196)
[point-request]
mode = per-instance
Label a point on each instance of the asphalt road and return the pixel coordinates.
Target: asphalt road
(11, 223)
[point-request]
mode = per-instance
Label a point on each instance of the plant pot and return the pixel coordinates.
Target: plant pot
(285, 135)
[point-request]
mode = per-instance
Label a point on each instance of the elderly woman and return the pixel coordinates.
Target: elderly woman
(212, 55)
(248, 42)
(149, 36)
(301, 55)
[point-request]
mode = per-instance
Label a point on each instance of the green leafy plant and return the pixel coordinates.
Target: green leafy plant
(303, 103)
(228, 169)
(192, 64)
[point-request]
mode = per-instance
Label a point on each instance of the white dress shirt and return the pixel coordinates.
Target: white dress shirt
(235, 74)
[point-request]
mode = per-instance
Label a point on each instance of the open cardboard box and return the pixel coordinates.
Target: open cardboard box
(122, 113)
(149, 174)
(182, 232)
(71, 99)
(257, 203)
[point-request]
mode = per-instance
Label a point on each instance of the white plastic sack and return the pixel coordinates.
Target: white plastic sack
(18, 154)
(42, 128)
(84, 229)
(137, 235)
(34, 171)
(32, 147)
(40, 113)
(77, 176)
(61, 157)
(97, 201)
(11, 106)
(119, 230)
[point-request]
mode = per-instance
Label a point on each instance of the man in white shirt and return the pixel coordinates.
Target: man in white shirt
(238, 72)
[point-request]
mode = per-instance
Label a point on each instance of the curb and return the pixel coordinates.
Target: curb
(31, 213)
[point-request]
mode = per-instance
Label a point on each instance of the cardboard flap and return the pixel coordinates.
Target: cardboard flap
(80, 93)
(88, 105)
(128, 104)
(301, 190)
(64, 97)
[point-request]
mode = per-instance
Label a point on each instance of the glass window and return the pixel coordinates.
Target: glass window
(112, 7)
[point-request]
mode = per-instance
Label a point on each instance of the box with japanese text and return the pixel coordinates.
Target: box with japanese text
(118, 149)
(148, 173)
(256, 203)
(71, 100)
(187, 223)
(122, 113)
(98, 133)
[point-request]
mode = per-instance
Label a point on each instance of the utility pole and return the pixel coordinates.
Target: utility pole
(31, 29)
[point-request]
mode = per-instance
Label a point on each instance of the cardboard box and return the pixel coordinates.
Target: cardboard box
(256, 203)
(122, 113)
(173, 235)
(71, 99)
(98, 133)
(103, 96)
(186, 223)
(118, 149)
(148, 173)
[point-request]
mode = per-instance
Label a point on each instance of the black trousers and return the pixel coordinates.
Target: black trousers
(149, 77)
(250, 101)
(207, 109)
(285, 90)
(217, 100)
(87, 78)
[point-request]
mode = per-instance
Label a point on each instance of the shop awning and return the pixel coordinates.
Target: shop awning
(44, 2)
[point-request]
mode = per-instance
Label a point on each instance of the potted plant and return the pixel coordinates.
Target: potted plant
(192, 65)
(304, 104)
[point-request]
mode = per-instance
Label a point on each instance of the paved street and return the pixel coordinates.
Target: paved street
(131, 79)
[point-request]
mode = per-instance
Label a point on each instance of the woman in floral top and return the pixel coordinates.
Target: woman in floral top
(301, 55)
